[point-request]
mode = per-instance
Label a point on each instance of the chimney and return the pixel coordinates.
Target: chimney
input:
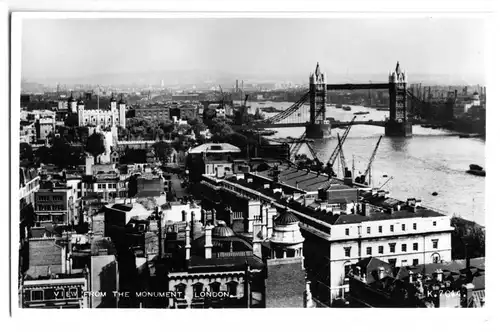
(439, 275)
(381, 273)
(184, 217)
(365, 209)
(308, 301)
(230, 217)
(214, 216)
(188, 242)
(203, 216)
(192, 224)
(208, 241)
(411, 277)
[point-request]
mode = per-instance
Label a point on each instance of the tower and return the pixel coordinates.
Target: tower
(80, 106)
(286, 263)
(398, 123)
(122, 110)
(72, 106)
(317, 127)
(113, 102)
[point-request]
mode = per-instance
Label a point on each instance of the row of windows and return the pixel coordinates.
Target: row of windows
(391, 228)
(392, 248)
(50, 208)
(49, 198)
(103, 185)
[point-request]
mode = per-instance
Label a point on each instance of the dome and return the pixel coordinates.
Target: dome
(286, 218)
(221, 230)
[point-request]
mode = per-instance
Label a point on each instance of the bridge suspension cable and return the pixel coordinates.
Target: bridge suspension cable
(289, 111)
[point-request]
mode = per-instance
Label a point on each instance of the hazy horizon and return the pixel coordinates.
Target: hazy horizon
(348, 49)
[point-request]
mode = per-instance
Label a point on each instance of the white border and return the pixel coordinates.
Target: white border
(373, 319)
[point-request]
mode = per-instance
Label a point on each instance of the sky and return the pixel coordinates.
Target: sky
(67, 49)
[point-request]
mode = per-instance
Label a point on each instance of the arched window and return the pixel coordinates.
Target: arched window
(436, 258)
(215, 286)
(232, 288)
(181, 288)
(197, 289)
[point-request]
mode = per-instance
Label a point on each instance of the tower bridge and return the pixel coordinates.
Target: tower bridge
(317, 126)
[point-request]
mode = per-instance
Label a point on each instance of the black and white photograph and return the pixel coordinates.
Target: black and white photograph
(220, 162)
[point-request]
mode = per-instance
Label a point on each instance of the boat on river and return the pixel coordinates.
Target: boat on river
(346, 108)
(361, 113)
(476, 170)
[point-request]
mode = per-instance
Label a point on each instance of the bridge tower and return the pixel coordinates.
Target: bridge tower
(398, 124)
(318, 126)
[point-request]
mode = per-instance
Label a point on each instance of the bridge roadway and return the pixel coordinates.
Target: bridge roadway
(303, 124)
(363, 86)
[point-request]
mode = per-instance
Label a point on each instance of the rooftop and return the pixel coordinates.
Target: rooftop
(302, 179)
(215, 148)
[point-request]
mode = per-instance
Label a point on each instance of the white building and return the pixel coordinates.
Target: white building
(115, 116)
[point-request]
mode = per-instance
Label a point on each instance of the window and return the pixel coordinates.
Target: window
(181, 288)
(232, 288)
(434, 223)
(347, 231)
(404, 262)
(392, 228)
(368, 230)
(403, 247)
(403, 227)
(392, 247)
(369, 251)
(380, 229)
(347, 251)
(380, 249)
(415, 246)
(197, 289)
(215, 287)
(435, 244)
(392, 261)
(37, 295)
(414, 226)
(415, 261)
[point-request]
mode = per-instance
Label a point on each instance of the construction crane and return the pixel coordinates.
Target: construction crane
(392, 177)
(335, 152)
(342, 158)
(368, 168)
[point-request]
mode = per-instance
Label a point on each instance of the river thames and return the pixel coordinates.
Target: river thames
(433, 160)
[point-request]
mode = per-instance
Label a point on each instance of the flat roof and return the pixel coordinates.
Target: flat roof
(373, 216)
(215, 148)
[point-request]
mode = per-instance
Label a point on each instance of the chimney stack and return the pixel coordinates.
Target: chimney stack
(381, 273)
(439, 275)
(203, 216)
(365, 209)
(208, 241)
(188, 242)
(214, 216)
(308, 301)
(192, 224)
(411, 277)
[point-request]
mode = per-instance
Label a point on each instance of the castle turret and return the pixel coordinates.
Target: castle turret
(72, 104)
(113, 102)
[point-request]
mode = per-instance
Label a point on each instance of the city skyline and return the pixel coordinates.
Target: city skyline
(449, 50)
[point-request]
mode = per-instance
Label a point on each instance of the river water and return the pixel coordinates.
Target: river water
(433, 160)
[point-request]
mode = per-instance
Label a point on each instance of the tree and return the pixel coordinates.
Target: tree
(25, 151)
(162, 150)
(71, 120)
(95, 145)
